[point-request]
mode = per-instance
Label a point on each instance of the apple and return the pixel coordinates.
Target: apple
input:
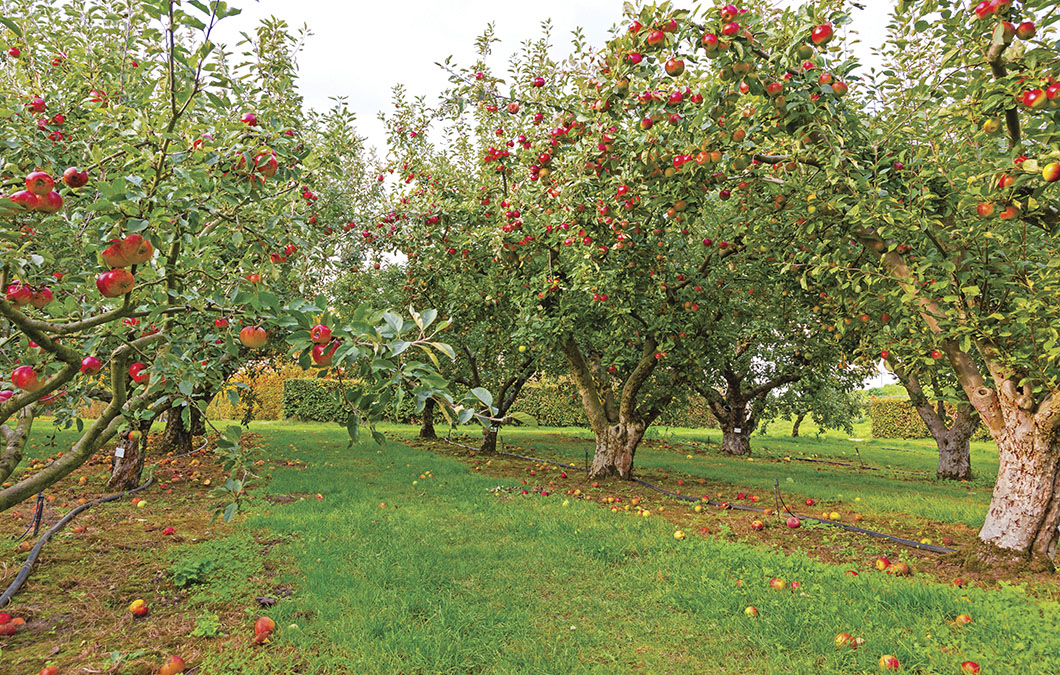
(679, 535)
(992, 125)
(845, 640)
(729, 12)
(840, 88)
(115, 283)
(1052, 93)
(730, 29)
(49, 670)
(936, 354)
(1034, 98)
(882, 563)
(266, 164)
(1009, 212)
(19, 294)
(5, 395)
(320, 334)
(985, 209)
(1026, 30)
(777, 584)
(26, 200)
(710, 42)
(323, 354)
(264, 626)
(900, 569)
(42, 297)
(39, 183)
(90, 365)
(253, 337)
(113, 254)
(963, 619)
(1051, 172)
(250, 119)
(970, 667)
(138, 372)
(810, 502)
(26, 379)
(51, 202)
(538, 81)
(656, 38)
(138, 608)
(888, 662)
(136, 250)
(169, 531)
(174, 665)
(1008, 31)
(822, 34)
(221, 323)
(793, 522)
(674, 67)
(751, 611)
(75, 178)
(825, 78)
(14, 52)
(37, 105)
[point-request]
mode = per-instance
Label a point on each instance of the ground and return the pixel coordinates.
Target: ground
(427, 559)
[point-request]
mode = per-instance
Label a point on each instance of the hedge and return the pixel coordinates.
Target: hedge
(898, 418)
(553, 404)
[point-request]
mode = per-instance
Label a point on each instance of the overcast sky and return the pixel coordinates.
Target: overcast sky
(360, 49)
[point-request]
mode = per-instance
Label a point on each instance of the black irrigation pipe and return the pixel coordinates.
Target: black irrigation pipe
(23, 574)
(27, 567)
(739, 507)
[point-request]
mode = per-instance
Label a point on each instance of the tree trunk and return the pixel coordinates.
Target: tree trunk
(488, 446)
(128, 462)
(798, 422)
(1024, 511)
(736, 441)
(427, 425)
(615, 448)
(955, 461)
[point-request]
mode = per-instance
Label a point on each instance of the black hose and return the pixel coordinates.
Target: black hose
(739, 507)
(23, 574)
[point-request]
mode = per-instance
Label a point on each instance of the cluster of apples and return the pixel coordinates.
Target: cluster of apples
(131, 250)
(21, 295)
(40, 194)
(324, 345)
(9, 625)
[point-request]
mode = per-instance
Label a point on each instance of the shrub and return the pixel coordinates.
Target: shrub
(897, 418)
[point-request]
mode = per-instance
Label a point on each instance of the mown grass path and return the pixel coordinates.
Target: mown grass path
(394, 573)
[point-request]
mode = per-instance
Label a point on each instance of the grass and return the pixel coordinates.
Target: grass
(397, 573)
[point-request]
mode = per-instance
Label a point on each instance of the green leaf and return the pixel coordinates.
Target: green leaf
(230, 512)
(483, 395)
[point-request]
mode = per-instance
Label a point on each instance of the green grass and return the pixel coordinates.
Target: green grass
(879, 492)
(448, 578)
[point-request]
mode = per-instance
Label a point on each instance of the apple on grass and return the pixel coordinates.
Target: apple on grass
(793, 522)
(888, 662)
(138, 608)
(174, 665)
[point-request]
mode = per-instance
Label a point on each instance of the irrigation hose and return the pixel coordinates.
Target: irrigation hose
(27, 567)
(739, 507)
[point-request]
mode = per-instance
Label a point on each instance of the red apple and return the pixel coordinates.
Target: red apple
(729, 12)
(1026, 30)
(1052, 93)
(26, 200)
(840, 88)
(793, 522)
(26, 379)
(888, 662)
(674, 67)
(264, 625)
(1034, 98)
(710, 42)
(774, 88)
(113, 254)
(777, 584)
(810, 502)
(250, 119)
(656, 38)
(826, 78)
(822, 34)
(75, 178)
(221, 323)
(39, 183)
(253, 337)
(115, 283)
(970, 667)
(14, 52)
(985, 209)
(136, 250)
(538, 81)
(138, 608)
(320, 334)
(169, 531)
(42, 297)
(757, 525)
(730, 29)
(266, 164)
(323, 354)
(174, 665)
(37, 105)
(51, 202)
(844, 640)
(90, 365)
(882, 563)
(19, 294)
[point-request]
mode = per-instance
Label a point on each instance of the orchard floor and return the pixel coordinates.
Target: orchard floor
(411, 561)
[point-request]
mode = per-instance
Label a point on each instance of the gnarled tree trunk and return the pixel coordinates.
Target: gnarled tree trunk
(955, 461)
(488, 445)
(128, 463)
(736, 441)
(427, 421)
(618, 426)
(798, 422)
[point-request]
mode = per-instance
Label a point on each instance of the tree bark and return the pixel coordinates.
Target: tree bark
(615, 449)
(127, 469)
(488, 446)
(798, 422)
(955, 462)
(736, 441)
(427, 424)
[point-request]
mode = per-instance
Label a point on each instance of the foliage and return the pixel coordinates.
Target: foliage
(897, 418)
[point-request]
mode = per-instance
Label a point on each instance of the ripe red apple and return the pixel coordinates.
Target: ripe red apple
(320, 334)
(729, 12)
(138, 608)
(793, 522)
(39, 183)
(985, 209)
(26, 200)
(757, 525)
(264, 626)
(90, 365)
(136, 250)
(1026, 30)
(730, 29)
(253, 337)
(323, 354)
(26, 379)
(826, 78)
(14, 52)
(19, 294)
(266, 164)
(1034, 98)
(777, 584)
(822, 34)
(840, 88)
(138, 372)
(751, 611)
(42, 297)
(174, 665)
(51, 202)
(49, 670)
(37, 105)
(113, 254)
(1051, 172)
(115, 283)
(221, 323)
(810, 502)
(75, 178)
(1052, 93)
(1009, 212)
(250, 119)
(774, 88)
(656, 38)
(963, 619)
(970, 667)
(882, 563)
(936, 354)
(538, 81)
(674, 67)
(169, 531)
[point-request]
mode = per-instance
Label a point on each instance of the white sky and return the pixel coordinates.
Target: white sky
(361, 49)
